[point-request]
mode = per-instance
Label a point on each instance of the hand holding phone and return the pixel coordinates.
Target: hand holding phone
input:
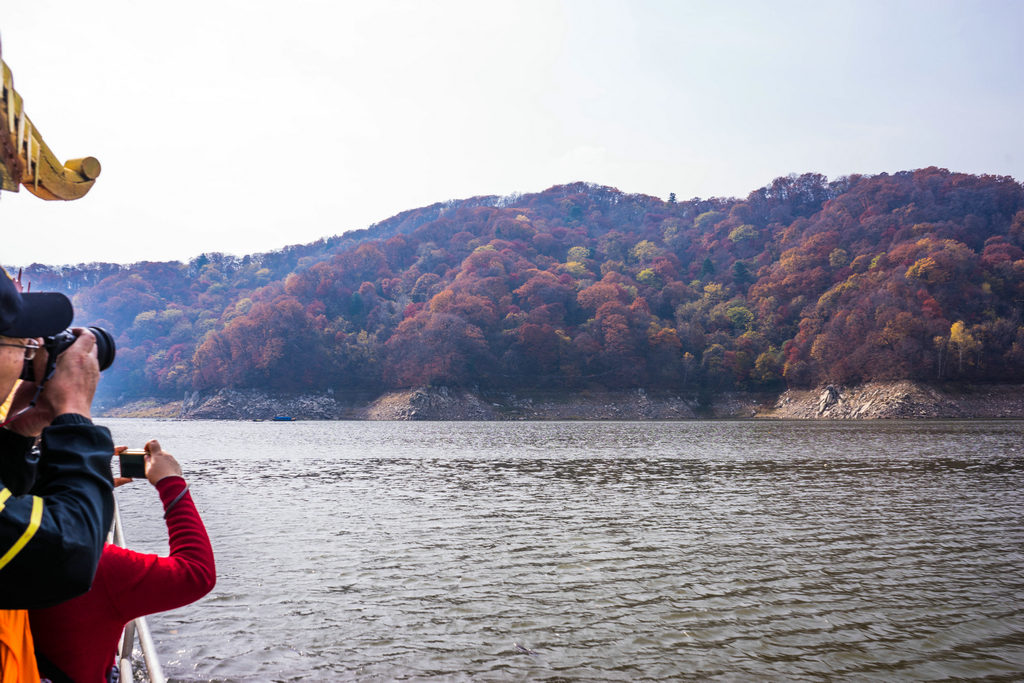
(133, 463)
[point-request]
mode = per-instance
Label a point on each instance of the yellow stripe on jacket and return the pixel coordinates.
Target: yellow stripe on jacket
(33, 525)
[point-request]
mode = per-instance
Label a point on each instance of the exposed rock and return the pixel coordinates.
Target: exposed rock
(736, 404)
(229, 404)
(829, 397)
(440, 403)
(149, 407)
(595, 405)
(450, 404)
(877, 400)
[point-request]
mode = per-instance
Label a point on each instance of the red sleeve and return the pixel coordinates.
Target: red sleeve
(140, 584)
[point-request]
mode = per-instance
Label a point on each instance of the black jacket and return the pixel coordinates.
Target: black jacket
(51, 537)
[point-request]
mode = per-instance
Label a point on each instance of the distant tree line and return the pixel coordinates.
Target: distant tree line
(918, 274)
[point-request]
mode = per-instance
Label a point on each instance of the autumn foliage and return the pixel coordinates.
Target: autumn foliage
(913, 275)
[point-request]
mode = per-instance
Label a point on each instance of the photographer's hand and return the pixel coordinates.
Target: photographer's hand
(121, 481)
(73, 385)
(70, 390)
(160, 464)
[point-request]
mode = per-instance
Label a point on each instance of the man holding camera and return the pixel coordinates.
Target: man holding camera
(56, 503)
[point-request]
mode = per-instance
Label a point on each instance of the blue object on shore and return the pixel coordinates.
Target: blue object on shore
(283, 418)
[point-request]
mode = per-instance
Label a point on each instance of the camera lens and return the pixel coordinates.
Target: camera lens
(105, 349)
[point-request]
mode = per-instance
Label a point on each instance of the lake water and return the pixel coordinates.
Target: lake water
(511, 551)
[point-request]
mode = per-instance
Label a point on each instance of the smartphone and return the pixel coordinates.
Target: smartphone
(133, 463)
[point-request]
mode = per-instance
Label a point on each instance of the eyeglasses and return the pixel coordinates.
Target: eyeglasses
(30, 349)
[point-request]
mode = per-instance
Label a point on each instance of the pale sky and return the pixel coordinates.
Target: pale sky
(245, 126)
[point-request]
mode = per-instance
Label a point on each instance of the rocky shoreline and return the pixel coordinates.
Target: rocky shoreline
(901, 400)
(876, 400)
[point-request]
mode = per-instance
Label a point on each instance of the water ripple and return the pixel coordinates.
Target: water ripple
(607, 551)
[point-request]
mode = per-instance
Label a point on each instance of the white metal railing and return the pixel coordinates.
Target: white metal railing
(139, 626)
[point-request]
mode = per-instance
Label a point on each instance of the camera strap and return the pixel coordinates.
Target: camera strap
(51, 367)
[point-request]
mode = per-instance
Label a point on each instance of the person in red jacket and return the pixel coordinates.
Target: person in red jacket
(77, 639)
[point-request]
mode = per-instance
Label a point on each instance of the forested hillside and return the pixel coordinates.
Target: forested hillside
(918, 275)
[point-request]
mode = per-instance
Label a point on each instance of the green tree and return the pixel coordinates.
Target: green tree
(707, 220)
(740, 317)
(743, 232)
(741, 274)
(838, 258)
(768, 367)
(644, 251)
(579, 254)
(707, 269)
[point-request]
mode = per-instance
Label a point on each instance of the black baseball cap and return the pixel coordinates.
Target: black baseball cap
(33, 314)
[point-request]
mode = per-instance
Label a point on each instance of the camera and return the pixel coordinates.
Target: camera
(133, 463)
(58, 343)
